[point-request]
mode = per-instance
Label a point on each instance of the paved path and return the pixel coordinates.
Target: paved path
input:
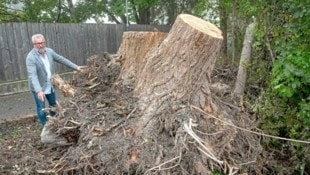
(19, 105)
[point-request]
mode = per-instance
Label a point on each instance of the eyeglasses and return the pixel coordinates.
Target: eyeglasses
(39, 43)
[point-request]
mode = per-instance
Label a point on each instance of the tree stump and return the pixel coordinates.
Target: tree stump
(167, 122)
(174, 77)
(179, 69)
(133, 50)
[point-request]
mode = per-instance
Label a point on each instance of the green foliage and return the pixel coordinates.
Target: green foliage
(285, 108)
(7, 12)
(85, 10)
(39, 10)
(34, 11)
(217, 172)
(142, 4)
(139, 11)
(200, 7)
(291, 72)
(278, 118)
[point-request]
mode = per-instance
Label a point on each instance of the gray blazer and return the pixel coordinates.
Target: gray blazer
(37, 75)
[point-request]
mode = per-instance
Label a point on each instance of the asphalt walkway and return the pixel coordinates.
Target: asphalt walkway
(16, 106)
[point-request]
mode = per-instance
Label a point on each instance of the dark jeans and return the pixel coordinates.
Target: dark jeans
(51, 99)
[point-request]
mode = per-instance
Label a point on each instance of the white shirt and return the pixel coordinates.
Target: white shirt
(48, 86)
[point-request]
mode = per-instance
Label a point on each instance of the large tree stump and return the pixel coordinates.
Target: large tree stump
(179, 69)
(175, 77)
(167, 122)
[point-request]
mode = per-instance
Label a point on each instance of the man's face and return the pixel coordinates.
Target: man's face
(39, 43)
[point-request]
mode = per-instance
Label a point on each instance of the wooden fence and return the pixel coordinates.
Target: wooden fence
(76, 42)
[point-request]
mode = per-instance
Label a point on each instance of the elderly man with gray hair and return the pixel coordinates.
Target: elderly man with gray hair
(40, 68)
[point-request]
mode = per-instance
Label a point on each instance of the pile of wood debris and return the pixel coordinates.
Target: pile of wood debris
(97, 122)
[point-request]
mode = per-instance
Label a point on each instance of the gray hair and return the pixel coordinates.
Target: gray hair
(35, 36)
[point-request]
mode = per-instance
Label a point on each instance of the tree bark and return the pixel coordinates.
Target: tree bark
(180, 69)
(169, 76)
(224, 27)
(132, 53)
(244, 61)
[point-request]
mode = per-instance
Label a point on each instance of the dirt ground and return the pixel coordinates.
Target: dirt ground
(20, 133)
(19, 139)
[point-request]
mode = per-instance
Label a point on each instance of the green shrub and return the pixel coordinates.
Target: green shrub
(285, 108)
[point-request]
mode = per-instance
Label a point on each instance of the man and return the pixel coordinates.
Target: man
(40, 67)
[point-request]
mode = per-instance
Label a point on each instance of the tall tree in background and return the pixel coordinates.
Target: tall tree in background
(38, 11)
(139, 11)
(8, 12)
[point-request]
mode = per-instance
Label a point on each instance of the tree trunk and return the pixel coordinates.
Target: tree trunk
(244, 61)
(233, 32)
(179, 69)
(224, 27)
(132, 53)
(171, 11)
(169, 79)
(71, 10)
(58, 11)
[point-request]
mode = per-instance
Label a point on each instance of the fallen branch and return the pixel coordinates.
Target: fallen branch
(65, 88)
(94, 85)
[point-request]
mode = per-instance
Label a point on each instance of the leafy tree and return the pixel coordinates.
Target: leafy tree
(139, 11)
(7, 12)
(37, 11)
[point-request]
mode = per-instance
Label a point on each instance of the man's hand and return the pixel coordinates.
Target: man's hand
(80, 68)
(41, 96)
